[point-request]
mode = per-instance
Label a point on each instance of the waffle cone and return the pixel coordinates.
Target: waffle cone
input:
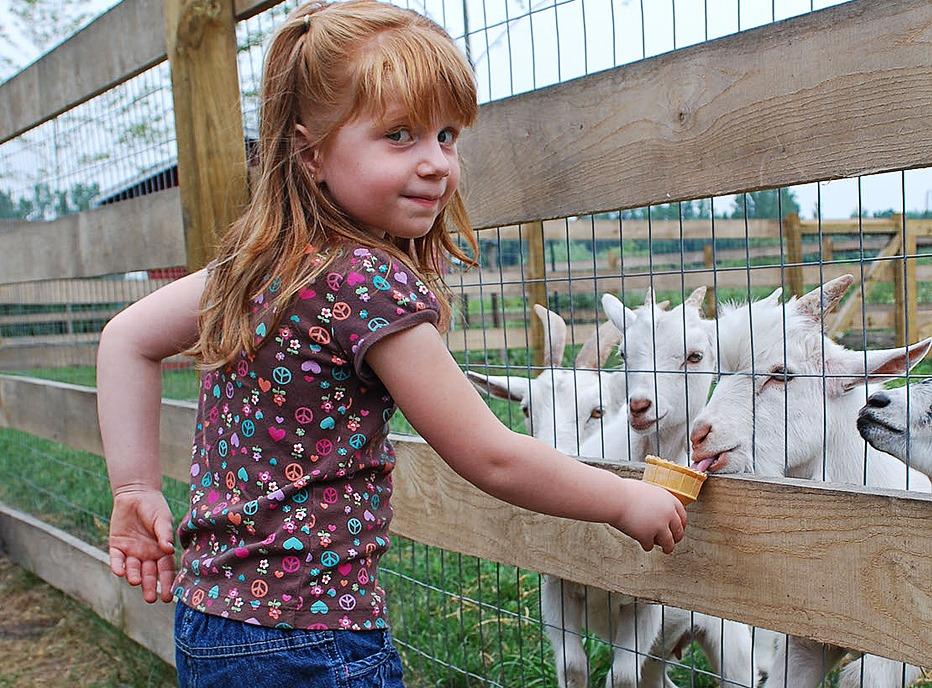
(684, 483)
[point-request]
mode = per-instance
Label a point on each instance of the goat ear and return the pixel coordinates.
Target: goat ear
(882, 364)
(822, 299)
(695, 299)
(650, 299)
(620, 315)
(554, 336)
(775, 295)
(595, 352)
(507, 387)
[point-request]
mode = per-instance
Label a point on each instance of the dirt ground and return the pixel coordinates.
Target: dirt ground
(49, 640)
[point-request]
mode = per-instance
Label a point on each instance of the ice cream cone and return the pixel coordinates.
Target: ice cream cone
(684, 483)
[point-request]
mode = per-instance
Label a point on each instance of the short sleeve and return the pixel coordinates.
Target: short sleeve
(374, 295)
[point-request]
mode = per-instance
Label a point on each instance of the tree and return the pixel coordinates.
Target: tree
(765, 204)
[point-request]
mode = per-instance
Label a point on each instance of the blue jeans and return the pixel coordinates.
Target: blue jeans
(213, 652)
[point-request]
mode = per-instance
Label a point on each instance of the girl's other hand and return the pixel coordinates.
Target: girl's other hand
(141, 548)
(652, 516)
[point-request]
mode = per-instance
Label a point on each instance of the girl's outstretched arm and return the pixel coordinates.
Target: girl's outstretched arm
(129, 397)
(435, 397)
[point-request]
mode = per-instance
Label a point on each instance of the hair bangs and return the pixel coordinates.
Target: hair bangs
(428, 78)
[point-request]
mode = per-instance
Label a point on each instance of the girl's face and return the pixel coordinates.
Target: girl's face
(389, 175)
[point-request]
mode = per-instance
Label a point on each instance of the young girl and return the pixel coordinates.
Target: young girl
(323, 312)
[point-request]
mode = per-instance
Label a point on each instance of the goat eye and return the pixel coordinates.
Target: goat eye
(525, 411)
(597, 413)
(780, 375)
(694, 357)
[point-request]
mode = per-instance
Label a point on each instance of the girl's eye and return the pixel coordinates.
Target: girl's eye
(597, 413)
(399, 136)
(447, 137)
(694, 357)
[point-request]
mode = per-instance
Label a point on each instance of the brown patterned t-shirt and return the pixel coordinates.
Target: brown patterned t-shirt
(291, 465)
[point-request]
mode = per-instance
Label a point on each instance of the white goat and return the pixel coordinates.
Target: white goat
(790, 411)
(899, 422)
(669, 363)
(562, 407)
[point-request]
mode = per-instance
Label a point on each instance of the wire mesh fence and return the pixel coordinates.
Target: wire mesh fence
(462, 621)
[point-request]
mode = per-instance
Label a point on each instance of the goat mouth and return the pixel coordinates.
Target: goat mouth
(868, 421)
(642, 426)
(713, 463)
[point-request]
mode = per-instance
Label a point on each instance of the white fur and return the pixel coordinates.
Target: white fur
(899, 422)
(562, 407)
(803, 428)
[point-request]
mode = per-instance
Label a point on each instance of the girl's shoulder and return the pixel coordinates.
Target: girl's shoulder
(362, 267)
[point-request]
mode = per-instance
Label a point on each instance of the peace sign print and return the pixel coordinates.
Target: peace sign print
(330, 495)
(381, 283)
(334, 280)
(347, 603)
(291, 564)
(259, 588)
(281, 375)
(341, 373)
(304, 415)
(293, 471)
(319, 335)
(354, 526)
(242, 368)
(324, 447)
(341, 310)
(329, 559)
(357, 441)
(248, 428)
(377, 324)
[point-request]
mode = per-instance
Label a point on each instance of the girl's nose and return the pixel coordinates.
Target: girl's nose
(434, 163)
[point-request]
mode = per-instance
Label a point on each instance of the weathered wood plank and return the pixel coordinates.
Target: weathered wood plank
(773, 547)
(835, 93)
(78, 291)
(116, 46)
(83, 572)
(136, 234)
(126, 250)
(112, 49)
(804, 108)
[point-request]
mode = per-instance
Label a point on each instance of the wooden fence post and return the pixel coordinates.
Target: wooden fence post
(200, 40)
(536, 289)
(905, 296)
(793, 232)
(708, 259)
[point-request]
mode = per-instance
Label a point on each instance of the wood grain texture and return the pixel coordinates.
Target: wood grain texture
(83, 572)
(115, 47)
(835, 93)
(200, 38)
(840, 564)
(136, 234)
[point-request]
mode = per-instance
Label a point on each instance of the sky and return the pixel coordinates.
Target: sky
(535, 43)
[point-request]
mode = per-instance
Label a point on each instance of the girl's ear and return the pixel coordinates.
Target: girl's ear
(309, 155)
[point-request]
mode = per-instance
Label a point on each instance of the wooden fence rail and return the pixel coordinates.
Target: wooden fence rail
(847, 565)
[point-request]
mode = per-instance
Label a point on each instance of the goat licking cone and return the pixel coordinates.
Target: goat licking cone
(684, 483)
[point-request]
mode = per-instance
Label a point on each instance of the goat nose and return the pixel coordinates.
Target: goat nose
(639, 406)
(878, 400)
(699, 433)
